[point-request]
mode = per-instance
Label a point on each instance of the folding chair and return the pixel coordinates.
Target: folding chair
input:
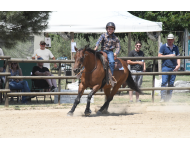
(39, 89)
(18, 97)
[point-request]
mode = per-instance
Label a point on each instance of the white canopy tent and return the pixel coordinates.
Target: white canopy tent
(95, 22)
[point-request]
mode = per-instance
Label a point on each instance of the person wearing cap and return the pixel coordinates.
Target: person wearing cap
(168, 50)
(109, 42)
(45, 54)
(39, 70)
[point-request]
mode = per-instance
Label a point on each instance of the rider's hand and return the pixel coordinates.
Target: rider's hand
(115, 56)
(95, 48)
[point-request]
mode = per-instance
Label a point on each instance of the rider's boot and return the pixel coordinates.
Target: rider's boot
(112, 80)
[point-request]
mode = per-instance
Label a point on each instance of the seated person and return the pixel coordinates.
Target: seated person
(19, 84)
(2, 80)
(2, 69)
(39, 70)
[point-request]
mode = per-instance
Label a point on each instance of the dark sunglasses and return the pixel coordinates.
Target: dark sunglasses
(43, 44)
(138, 45)
(14, 63)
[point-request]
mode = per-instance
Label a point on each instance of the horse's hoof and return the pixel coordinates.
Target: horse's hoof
(105, 112)
(69, 113)
(99, 112)
(87, 113)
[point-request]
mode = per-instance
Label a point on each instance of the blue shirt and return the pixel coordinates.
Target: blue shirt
(165, 50)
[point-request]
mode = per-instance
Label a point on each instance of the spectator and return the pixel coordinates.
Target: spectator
(168, 50)
(19, 84)
(2, 79)
(2, 69)
(136, 66)
(43, 71)
(45, 54)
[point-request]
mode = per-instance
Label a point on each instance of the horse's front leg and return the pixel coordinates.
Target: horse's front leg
(77, 100)
(94, 90)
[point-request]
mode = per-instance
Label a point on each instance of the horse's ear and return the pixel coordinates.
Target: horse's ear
(76, 49)
(87, 46)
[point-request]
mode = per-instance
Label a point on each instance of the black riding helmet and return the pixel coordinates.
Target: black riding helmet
(110, 24)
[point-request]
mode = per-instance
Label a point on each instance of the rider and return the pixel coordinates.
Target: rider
(109, 42)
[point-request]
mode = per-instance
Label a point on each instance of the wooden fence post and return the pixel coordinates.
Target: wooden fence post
(6, 83)
(59, 83)
(159, 61)
(153, 80)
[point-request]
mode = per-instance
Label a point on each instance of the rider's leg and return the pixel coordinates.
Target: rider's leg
(111, 60)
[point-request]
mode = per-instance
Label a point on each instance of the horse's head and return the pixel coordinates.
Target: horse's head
(79, 59)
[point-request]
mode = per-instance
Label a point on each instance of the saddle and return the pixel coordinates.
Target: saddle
(109, 79)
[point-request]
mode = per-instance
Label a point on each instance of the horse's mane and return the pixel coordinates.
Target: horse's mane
(89, 50)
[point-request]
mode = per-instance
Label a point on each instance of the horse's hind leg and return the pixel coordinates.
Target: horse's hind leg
(110, 96)
(77, 100)
(104, 108)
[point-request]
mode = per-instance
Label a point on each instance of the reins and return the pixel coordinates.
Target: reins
(80, 73)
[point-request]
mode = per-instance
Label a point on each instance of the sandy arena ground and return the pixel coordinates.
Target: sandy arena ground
(124, 121)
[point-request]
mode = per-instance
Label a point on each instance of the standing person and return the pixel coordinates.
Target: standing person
(109, 42)
(168, 50)
(39, 70)
(1, 52)
(45, 54)
(136, 66)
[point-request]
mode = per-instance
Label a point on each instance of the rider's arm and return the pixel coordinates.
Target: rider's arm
(98, 42)
(117, 46)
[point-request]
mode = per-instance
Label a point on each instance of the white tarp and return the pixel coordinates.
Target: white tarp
(95, 22)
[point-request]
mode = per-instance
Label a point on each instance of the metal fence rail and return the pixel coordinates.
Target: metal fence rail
(8, 76)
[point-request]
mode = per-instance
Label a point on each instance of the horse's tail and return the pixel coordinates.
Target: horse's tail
(130, 82)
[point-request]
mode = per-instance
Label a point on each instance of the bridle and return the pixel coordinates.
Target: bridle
(81, 67)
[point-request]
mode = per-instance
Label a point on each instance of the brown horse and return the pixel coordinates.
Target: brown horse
(93, 75)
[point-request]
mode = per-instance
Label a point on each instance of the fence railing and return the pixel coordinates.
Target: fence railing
(59, 77)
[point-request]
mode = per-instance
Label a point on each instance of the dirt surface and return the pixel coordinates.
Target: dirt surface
(124, 121)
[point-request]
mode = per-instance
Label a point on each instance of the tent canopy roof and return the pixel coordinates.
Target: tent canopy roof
(95, 22)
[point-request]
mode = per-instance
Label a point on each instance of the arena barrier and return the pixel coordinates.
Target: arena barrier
(59, 77)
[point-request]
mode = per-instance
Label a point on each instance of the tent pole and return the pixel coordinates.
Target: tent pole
(159, 61)
(129, 42)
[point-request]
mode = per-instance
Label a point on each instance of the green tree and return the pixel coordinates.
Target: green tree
(17, 26)
(172, 20)
(60, 47)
